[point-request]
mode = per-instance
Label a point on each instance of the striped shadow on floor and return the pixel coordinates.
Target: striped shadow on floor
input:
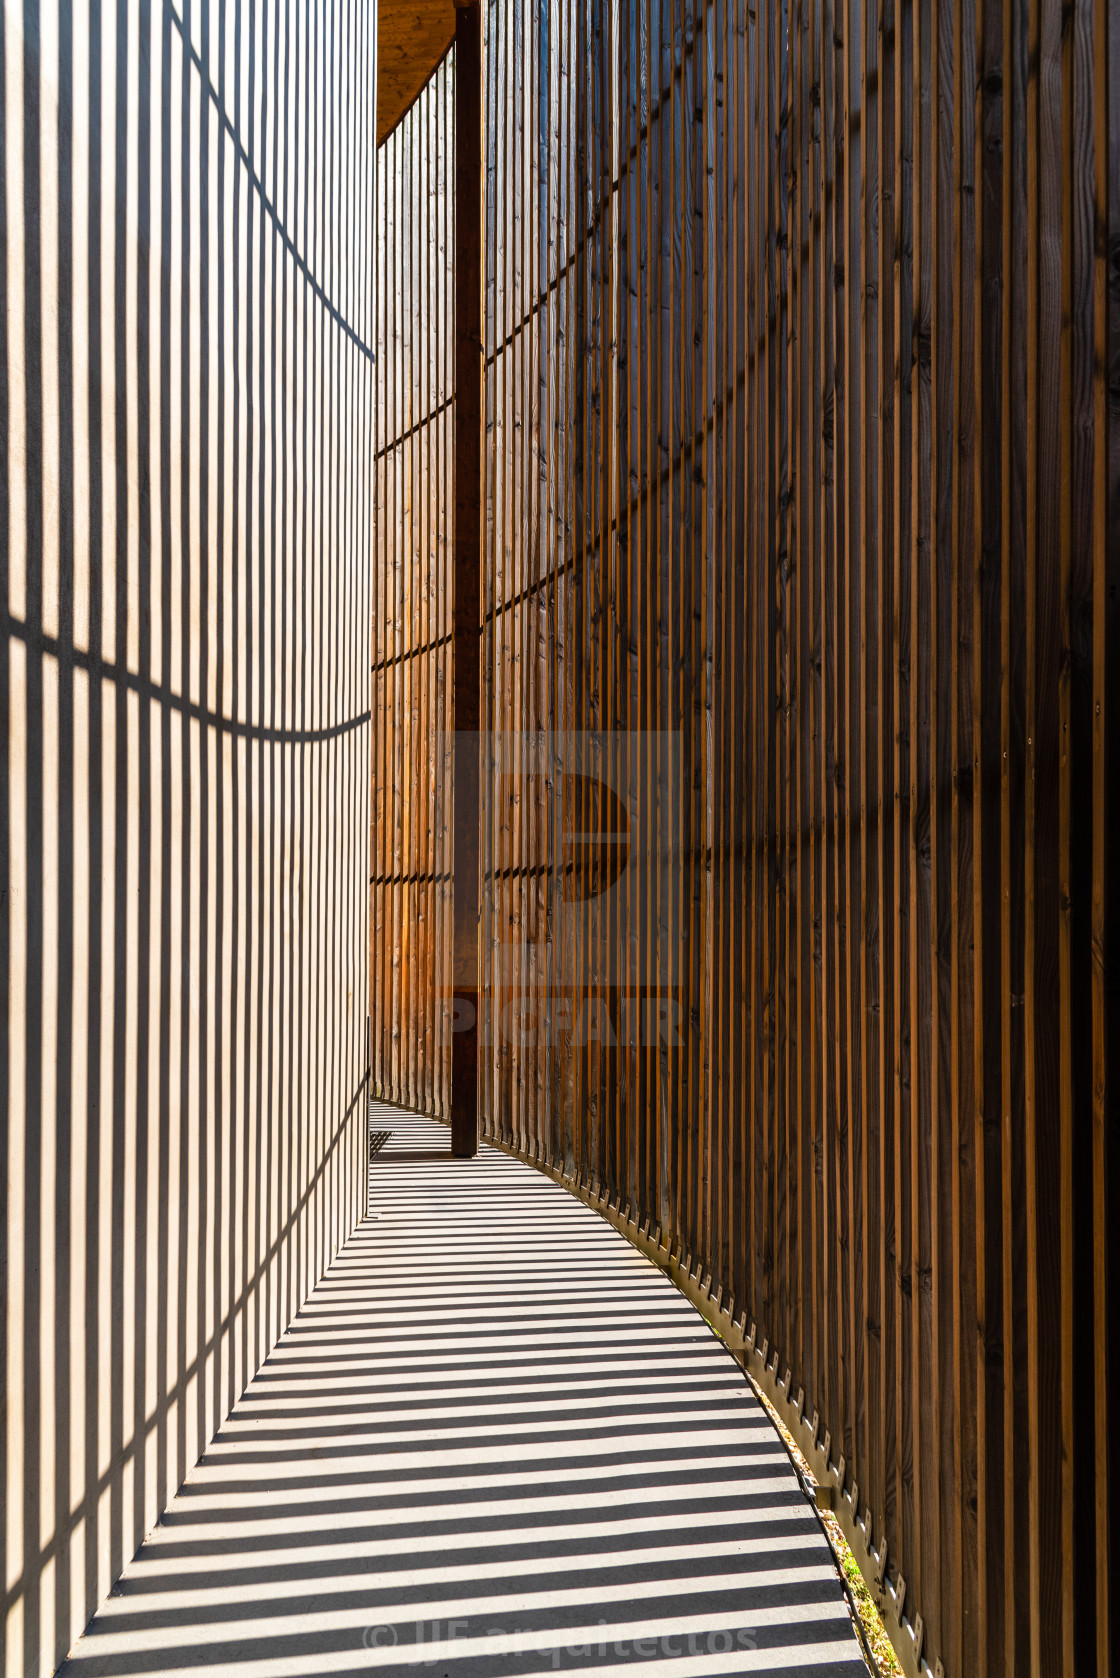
(495, 1441)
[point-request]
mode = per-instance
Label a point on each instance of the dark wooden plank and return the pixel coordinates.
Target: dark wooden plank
(1018, 1490)
(495, 245)
(815, 1371)
(922, 816)
(1080, 510)
(965, 643)
(833, 1375)
(868, 726)
(413, 568)
(467, 564)
(444, 674)
(447, 620)
(846, 771)
(1106, 828)
(791, 1330)
(988, 750)
(707, 281)
(884, 1510)
(400, 644)
(1045, 376)
(805, 1328)
(756, 983)
(906, 1548)
(943, 1610)
(567, 634)
(744, 1285)
(780, 579)
(502, 786)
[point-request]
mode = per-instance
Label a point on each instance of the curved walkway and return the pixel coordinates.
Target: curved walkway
(495, 1441)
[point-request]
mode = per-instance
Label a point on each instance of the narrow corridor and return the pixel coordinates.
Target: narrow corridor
(496, 1440)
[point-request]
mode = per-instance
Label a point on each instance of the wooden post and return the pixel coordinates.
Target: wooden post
(467, 580)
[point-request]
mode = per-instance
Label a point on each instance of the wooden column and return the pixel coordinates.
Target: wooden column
(467, 581)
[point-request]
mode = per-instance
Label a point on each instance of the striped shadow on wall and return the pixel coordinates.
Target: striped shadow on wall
(186, 391)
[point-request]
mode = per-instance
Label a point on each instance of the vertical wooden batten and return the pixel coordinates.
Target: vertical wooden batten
(466, 585)
(801, 489)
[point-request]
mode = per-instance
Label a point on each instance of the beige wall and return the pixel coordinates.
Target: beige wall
(184, 539)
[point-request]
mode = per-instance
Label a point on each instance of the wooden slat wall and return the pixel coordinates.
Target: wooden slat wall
(801, 479)
(410, 908)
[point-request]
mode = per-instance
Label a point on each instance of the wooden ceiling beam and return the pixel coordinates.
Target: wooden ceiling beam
(412, 37)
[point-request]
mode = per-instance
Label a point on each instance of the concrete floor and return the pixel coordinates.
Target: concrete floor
(496, 1440)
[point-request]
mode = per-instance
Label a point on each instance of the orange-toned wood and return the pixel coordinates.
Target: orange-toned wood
(412, 37)
(801, 455)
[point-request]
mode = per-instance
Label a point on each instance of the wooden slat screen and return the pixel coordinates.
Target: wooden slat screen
(801, 491)
(410, 906)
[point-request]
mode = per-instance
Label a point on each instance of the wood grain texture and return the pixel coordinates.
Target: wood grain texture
(412, 904)
(801, 401)
(412, 37)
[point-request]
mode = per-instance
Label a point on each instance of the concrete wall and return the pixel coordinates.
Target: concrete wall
(185, 386)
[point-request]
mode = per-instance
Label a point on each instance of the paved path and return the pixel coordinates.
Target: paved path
(496, 1441)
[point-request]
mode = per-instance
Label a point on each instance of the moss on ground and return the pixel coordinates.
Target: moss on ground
(875, 1631)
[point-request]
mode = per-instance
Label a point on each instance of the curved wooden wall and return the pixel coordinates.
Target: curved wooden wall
(801, 552)
(410, 924)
